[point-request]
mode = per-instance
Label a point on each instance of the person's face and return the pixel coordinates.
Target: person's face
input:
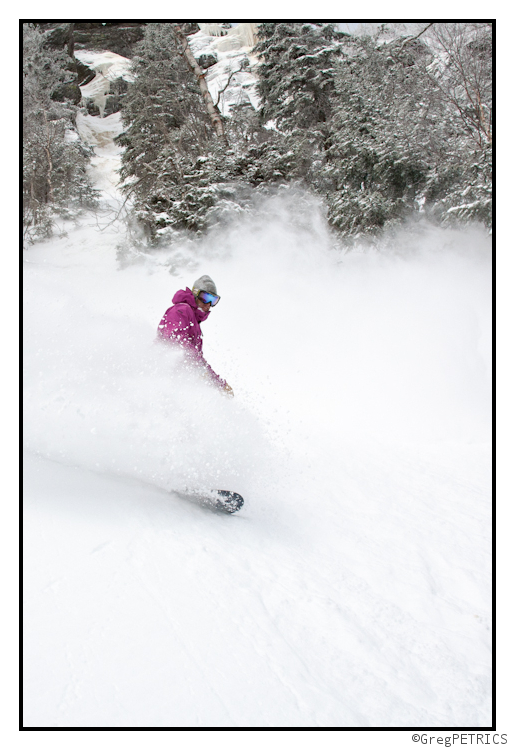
(204, 306)
(206, 300)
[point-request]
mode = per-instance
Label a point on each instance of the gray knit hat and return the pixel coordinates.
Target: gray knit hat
(204, 284)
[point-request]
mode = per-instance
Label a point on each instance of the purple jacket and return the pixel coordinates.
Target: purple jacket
(181, 324)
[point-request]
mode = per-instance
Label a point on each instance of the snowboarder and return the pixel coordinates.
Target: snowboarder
(181, 324)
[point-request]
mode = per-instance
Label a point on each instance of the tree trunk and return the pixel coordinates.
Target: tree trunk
(211, 107)
(71, 40)
(33, 202)
(50, 166)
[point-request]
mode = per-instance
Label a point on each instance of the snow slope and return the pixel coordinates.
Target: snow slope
(353, 589)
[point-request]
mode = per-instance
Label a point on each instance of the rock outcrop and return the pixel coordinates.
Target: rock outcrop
(119, 37)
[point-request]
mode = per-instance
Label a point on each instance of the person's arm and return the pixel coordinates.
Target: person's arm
(177, 325)
(200, 361)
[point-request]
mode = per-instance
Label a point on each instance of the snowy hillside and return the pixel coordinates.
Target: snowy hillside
(353, 588)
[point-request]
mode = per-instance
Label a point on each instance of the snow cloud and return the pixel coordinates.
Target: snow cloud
(321, 346)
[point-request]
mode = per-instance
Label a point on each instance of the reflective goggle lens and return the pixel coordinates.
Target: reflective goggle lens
(208, 298)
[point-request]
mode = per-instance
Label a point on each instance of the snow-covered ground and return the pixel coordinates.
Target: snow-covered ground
(108, 66)
(353, 589)
(99, 134)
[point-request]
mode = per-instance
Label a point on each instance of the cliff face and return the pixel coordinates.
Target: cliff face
(215, 46)
(119, 37)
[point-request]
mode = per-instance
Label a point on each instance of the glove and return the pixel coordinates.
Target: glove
(228, 391)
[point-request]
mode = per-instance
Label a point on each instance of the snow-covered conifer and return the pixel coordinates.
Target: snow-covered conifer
(296, 85)
(171, 156)
(402, 139)
(54, 160)
(383, 127)
(179, 172)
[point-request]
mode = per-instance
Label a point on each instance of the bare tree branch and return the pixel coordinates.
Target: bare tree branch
(412, 38)
(227, 84)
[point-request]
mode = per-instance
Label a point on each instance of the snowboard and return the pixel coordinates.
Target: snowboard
(224, 500)
(228, 501)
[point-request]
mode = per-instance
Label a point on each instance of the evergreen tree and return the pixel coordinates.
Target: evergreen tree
(399, 145)
(171, 160)
(296, 85)
(382, 127)
(384, 131)
(260, 156)
(54, 160)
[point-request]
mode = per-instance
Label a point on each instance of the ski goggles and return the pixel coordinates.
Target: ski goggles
(208, 299)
